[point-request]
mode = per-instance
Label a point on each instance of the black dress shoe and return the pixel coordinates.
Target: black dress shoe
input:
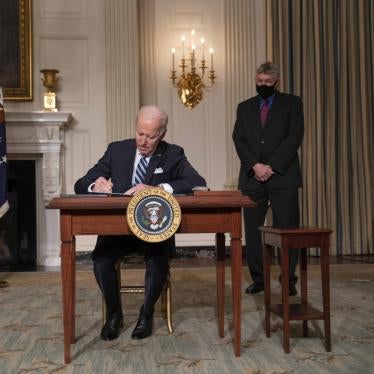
(143, 328)
(292, 291)
(254, 288)
(112, 328)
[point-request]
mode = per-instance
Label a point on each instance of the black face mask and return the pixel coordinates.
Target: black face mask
(265, 91)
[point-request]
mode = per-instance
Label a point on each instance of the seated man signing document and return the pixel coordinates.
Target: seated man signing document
(129, 166)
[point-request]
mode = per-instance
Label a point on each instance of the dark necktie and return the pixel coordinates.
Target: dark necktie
(141, 171)
(264, 111)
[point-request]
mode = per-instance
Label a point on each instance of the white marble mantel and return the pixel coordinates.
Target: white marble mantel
(40, 133)
(40, 136)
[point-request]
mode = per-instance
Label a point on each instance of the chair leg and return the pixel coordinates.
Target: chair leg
(169, 307)
(166, 308)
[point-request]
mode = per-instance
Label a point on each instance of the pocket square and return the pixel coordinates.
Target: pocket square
(158, 171)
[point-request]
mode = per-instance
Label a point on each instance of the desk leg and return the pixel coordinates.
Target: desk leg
(220, 247)
(236, 279)
(68, 295)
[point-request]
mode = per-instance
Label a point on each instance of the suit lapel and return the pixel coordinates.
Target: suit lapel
(129, 169)
(257, 114)
(155, 161)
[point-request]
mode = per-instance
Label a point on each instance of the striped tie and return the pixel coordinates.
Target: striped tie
(141, 170)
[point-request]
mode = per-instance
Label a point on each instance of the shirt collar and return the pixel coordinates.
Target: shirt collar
(270, 100)
(138, 155)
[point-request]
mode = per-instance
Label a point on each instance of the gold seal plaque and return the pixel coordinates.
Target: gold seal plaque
(153, 215)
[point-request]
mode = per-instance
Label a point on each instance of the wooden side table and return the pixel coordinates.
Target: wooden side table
(291, 239)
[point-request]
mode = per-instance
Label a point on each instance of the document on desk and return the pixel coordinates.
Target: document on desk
(101, 194)
(109, 194)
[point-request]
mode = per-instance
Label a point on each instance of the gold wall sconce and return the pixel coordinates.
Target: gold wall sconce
(190, 82)
(49, 81)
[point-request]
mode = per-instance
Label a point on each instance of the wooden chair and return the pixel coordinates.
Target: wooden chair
(287, 240)
(166, 307)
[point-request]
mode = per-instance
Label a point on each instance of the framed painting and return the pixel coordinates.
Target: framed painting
(16, 49)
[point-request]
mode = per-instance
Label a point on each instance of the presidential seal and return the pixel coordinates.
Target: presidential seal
(153, 215)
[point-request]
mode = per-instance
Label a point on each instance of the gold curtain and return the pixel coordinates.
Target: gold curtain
(325, 50)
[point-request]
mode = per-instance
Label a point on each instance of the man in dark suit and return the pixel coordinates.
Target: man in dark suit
(130, 166)
(268, 132)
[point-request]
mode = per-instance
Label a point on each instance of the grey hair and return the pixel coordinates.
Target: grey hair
(151, 112)
(268, 68)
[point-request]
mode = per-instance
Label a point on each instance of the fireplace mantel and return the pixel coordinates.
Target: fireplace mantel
(40, 133)
(41, 136)
(39, 116)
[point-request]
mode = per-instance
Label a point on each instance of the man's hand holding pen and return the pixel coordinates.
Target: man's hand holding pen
(102, 185)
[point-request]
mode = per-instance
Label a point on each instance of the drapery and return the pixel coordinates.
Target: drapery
(325, 51)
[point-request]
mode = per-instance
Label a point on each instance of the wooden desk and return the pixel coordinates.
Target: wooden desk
(216, 212)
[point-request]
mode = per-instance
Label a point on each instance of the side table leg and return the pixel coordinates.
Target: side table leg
(220, 271)
(325, 274)
(236, 285)
(285, 298)
(304, 285)
(267, 272)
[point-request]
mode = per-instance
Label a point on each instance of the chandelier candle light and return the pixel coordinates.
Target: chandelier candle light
(190, 83)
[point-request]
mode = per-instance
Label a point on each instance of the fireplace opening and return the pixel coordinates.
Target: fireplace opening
(18, 242)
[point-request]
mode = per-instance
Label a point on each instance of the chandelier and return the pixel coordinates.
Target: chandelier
(190, 82)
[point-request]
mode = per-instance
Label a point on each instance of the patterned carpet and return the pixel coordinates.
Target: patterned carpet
(32, 340)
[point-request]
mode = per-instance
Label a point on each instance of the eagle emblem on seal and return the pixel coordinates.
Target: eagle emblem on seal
(154, 212)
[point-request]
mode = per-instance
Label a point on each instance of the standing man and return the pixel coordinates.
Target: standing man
(129, 166)
(268, 131)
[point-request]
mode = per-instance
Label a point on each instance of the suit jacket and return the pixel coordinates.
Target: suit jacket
(118, 163)
(275, 144)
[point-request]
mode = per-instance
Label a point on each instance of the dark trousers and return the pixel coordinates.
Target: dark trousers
(284, 204)
(109, 249)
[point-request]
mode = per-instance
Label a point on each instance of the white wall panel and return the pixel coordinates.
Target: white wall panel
(79, 150)
(200, 130)
(74, 9)
(185, 18)
(70, 57)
